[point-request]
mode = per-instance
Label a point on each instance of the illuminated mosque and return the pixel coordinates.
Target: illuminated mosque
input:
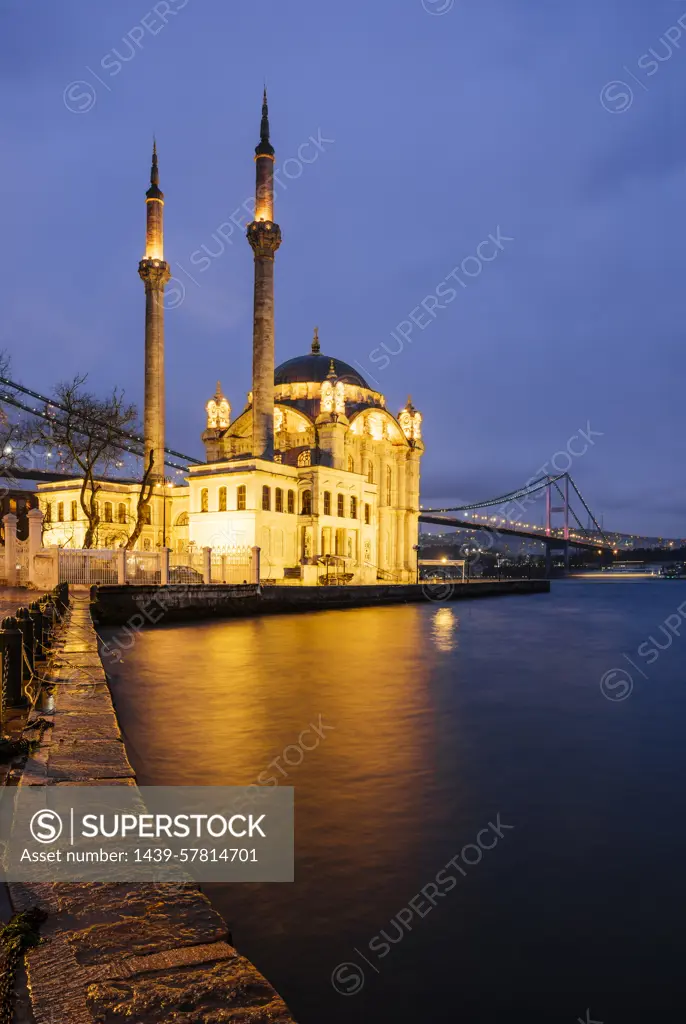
(314, 465)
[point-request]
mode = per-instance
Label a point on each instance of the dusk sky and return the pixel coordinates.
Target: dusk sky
(437, 125)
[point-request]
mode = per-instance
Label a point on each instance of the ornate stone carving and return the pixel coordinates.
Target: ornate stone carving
(154, 273)
(265, 238)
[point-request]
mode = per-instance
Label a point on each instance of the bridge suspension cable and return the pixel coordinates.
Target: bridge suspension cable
(536, 485)
(133, 439)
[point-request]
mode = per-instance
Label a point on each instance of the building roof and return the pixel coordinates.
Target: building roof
(315, 367)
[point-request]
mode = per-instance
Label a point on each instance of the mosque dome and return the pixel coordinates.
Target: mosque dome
(315, 368)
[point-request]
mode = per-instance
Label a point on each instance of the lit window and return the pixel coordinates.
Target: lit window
(307, 503)
(121, 512)
(305, 458)
(146, 515)
(266, 499)
(279, 499)
(222, 499)
(241, 494)
(353, 508)
(204, 500)
(108, 511)
(327, 503)
(341, 506)
(291, 503)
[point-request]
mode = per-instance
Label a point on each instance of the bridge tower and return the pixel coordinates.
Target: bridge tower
(155, 274)
(556, 543)
(264, 237)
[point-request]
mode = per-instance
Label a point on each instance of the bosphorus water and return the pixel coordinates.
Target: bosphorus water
(523, 741)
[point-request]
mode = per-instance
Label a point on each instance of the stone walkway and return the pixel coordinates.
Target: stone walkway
(140, 954)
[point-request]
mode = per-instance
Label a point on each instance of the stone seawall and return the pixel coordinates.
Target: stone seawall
(147, 953)
(139, 607)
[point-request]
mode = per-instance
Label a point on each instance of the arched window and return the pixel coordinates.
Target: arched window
(266, 499)
(204, 500)
(74, 512)
(327, 503)
(108, 511)
(353, 508)
(60, 511)
(241, 494)
(291, 503)
(278, 499)
(121, 512)
(370, 472)
(305, 458)
(146, 515)
(182, 519)
(351, 464)
(389, 485)
(341, 506)
(367, 514)
(307, 503)
(222, 499)
(48, 512)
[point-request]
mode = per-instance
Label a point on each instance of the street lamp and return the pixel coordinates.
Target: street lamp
(416, 548)
(163, 485)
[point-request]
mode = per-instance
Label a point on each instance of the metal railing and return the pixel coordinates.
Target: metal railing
(87, 566)
(233, 565)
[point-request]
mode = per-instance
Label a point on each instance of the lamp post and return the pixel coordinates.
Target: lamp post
(416, 548)
(163, 485)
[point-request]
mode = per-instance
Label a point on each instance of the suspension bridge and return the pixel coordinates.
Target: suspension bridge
(512, 507)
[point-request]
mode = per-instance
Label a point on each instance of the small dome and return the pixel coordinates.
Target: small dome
(314, 367)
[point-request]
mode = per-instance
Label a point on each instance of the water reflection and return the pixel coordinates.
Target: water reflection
(444, 629)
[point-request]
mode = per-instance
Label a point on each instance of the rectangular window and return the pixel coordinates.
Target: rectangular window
(147, 515)
(121, 512)
(222, 499)
(48, 512)
(74, 512)
(108, 511)
(367, 514)
(327, 503)
(353, 508)
(241, 498)
(341, 506)
(291, 503)
(279, 499)
(266, 499)
(204, 500)
(60, 511)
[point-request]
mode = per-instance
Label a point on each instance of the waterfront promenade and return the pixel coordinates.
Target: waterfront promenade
(145, 953)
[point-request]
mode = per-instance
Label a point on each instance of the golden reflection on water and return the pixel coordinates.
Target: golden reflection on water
(219, 703)
(444, 629)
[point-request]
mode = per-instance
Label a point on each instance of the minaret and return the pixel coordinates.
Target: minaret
(265, 238)
(155, 273)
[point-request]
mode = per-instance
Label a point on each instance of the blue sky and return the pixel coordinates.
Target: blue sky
(439, 124)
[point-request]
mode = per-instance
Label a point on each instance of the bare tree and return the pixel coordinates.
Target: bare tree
(88, 431)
